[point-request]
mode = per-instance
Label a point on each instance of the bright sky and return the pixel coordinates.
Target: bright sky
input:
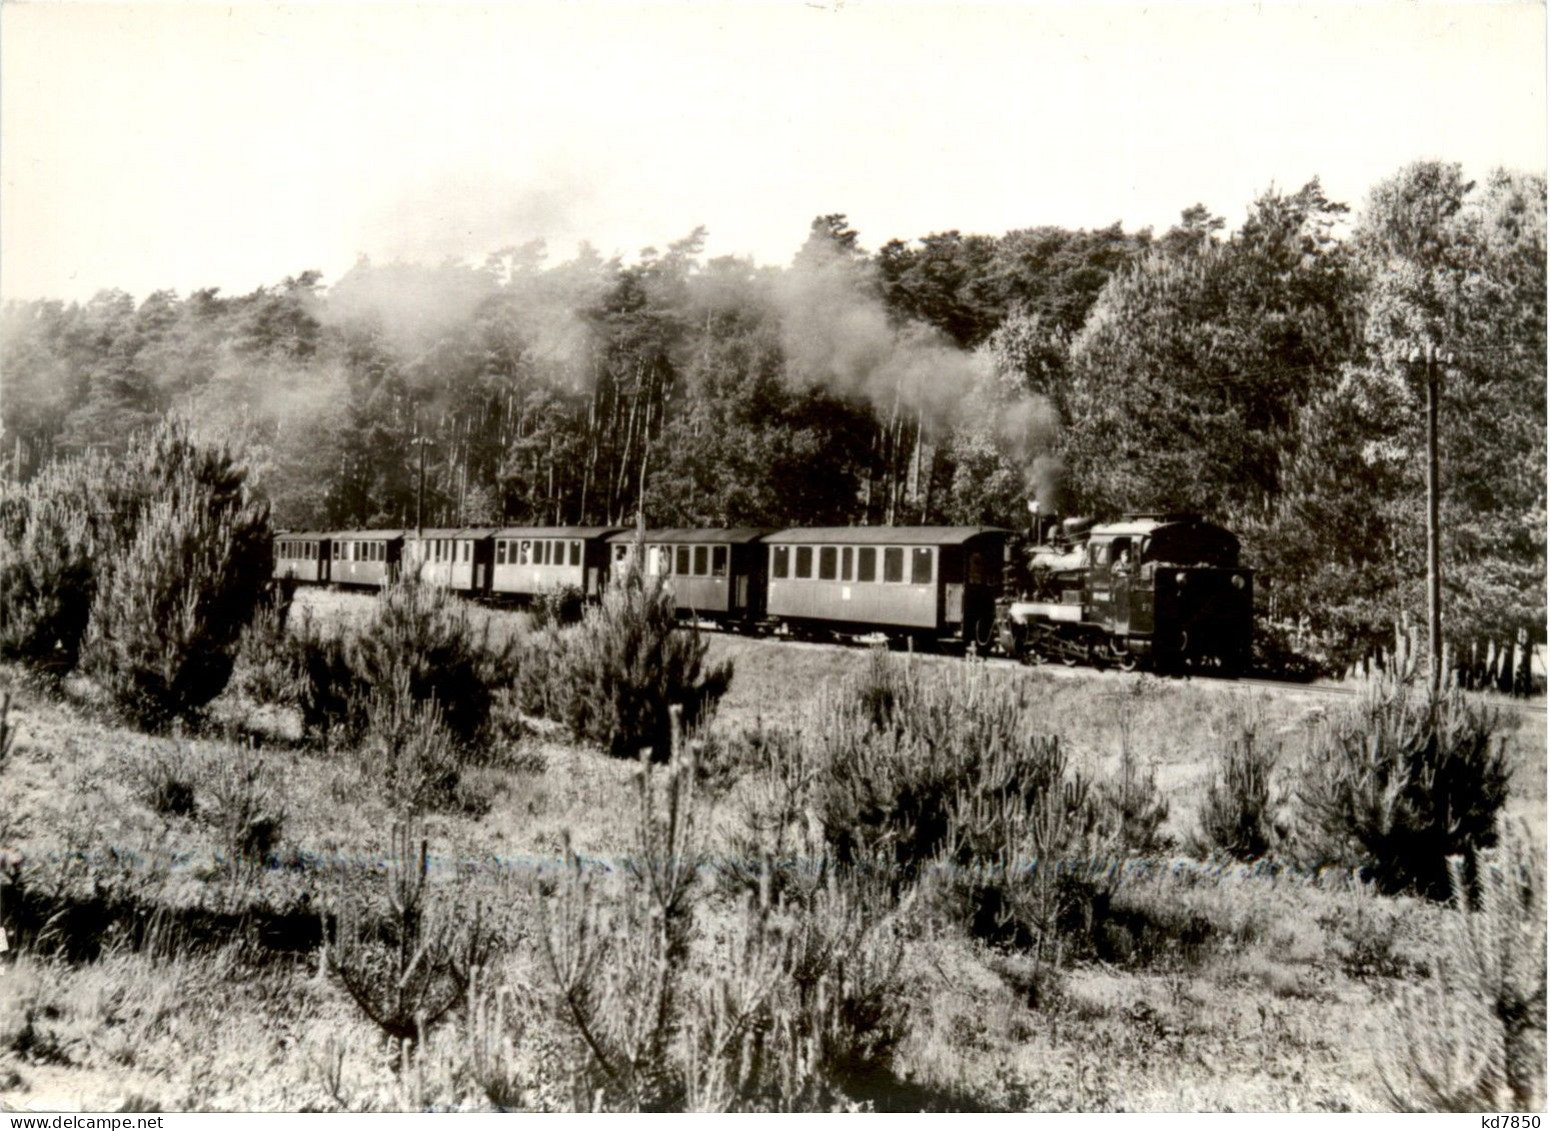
(185, 145)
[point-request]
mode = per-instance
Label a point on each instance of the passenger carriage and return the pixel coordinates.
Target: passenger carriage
(714, 575)
(302, 555)
(934, 583)
(456, 558)
(530, 560)
(365, 557)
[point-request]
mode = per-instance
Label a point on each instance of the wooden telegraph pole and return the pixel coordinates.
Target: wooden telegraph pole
(1433, 522)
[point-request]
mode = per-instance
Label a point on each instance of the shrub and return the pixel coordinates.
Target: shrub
(163, 778)
(53, 531)
(420, 643)
(1473, 1037)
(244, 807)
(409, 750)
(1131, 807)
(899, 754)
(804, 1006)
(409, 969)
(629, 664)
(617, 972)
(1405, 780)
(808, 1006)
(266, 658)
(171, 603)
(557, 607)
(1238, 817)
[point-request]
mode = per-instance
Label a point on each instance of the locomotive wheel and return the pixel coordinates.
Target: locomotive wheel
(1125, 659)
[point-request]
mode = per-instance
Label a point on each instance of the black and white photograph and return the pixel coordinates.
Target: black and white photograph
(778, 557)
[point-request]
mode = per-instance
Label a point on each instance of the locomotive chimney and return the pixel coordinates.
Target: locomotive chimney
(1035, 527)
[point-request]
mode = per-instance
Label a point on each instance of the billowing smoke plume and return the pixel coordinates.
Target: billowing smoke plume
(838, 335)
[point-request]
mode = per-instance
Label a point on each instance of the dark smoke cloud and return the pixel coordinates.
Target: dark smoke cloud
(839, 336)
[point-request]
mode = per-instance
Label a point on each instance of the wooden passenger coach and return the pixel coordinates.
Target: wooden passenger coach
(302, 555)
(713, 574)
(932, 582)
(457, 558)
(364, 557)
(529, 560)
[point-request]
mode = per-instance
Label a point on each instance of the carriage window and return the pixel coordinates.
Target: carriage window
(893, 563)
(780, 564)
(828, 562)
(847, 563)
(662, 556)
(336, 549)
(524, 552)
(379, 551)
(575, 553)
(804, 561)
(543, 552)
(500, 552)
(681, 565)
(556, 554)
(718, 561)
(468, 550)
(701, 561)
(920, 565)
(866, 563)
(1120, 553)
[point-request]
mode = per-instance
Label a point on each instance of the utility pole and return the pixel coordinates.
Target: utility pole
(1433, 523)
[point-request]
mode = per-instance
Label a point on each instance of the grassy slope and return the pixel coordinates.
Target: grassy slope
(1283, 1008)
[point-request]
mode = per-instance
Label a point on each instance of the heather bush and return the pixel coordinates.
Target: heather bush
(808, 1005)
(1130, 806)
(172, 599)
(1404, 780)
(628, 664)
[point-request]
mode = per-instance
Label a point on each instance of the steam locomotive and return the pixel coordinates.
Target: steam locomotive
(1164, 590)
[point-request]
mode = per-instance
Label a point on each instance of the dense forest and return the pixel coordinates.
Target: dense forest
(1271, 376)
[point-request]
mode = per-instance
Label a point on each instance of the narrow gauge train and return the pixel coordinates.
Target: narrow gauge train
(1159, 589)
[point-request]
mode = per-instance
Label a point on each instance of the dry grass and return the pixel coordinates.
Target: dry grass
(1217, 987)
